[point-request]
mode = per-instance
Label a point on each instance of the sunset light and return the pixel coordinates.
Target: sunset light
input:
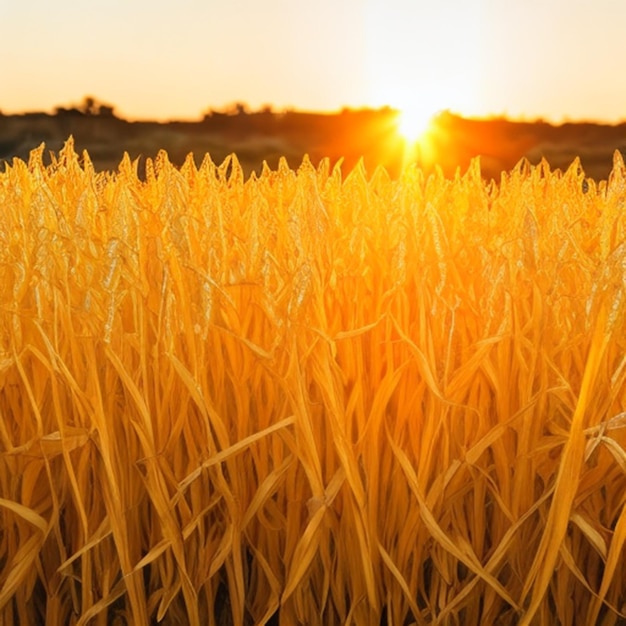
(424, 65)
(471, 57)
(414, 122)
(312, 312)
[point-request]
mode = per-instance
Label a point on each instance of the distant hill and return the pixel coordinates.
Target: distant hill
(349, 135)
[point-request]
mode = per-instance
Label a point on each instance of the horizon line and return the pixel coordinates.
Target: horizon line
(242, 108)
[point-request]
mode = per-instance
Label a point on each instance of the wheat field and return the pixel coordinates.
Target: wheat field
(311, 398)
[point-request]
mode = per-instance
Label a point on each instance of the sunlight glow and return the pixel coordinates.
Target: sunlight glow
(414, 122)
(421, 61)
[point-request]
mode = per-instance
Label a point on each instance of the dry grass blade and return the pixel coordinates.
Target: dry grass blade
(566, 483)
(20, 568)
(224, 455)
(465, 557)
(100, 606)
(397, 574)
(308, 545)
(595, 538)
(614, 558)
(25, 513)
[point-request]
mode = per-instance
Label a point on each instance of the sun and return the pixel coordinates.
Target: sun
(414, 122)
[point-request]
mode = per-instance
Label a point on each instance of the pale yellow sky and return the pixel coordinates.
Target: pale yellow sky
(557, 59)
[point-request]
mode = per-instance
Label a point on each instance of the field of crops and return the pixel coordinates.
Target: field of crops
(309, 397)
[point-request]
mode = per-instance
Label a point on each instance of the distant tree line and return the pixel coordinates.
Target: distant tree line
(92, 107)
(89, 106)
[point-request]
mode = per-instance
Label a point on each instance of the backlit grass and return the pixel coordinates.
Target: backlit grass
(311, 398)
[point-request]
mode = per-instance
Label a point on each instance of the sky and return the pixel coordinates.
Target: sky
(156, 59)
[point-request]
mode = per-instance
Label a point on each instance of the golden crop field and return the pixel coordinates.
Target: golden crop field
(310, 398)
